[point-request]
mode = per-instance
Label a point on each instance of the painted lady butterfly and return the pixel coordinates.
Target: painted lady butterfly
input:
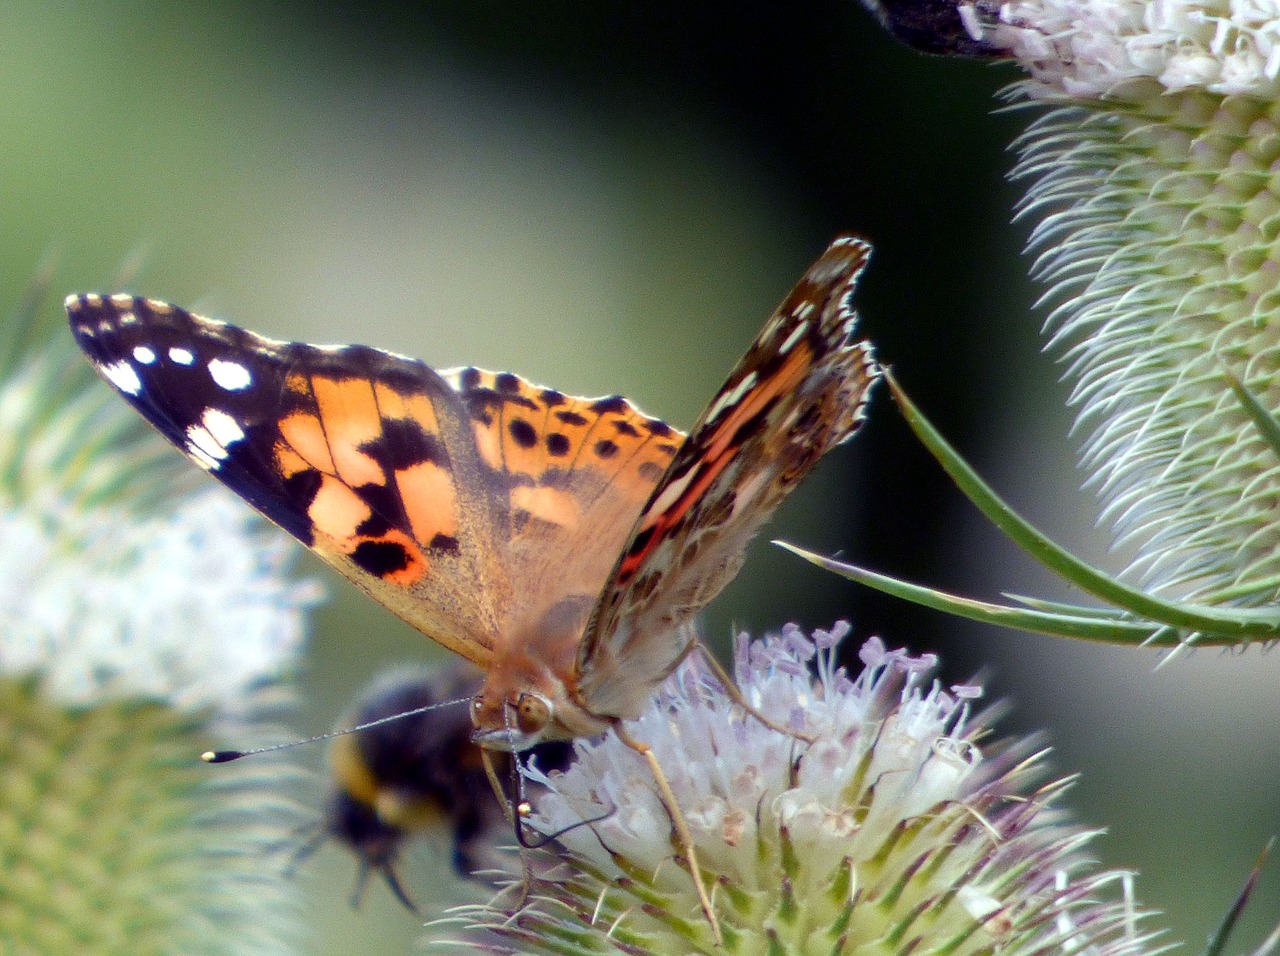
(563, 545)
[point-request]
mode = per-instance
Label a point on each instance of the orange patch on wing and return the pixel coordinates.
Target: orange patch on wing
(430, 500)
(390, 402)
(336, 511)
(547, 504)
(488, 444)
(790, 374)
(288, 461)
(350, 417)
(398, 405)
(521, 459)
(303, 432)
(420, 409)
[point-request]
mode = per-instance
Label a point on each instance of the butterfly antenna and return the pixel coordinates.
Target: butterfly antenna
(226, 756)
(552, 837)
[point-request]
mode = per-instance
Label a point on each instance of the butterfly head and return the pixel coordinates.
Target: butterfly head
(521, 707)
(512, 722)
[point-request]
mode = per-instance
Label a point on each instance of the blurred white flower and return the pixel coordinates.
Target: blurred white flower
(128, 621)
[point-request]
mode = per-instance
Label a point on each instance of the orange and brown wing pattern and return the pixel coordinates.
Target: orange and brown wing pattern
(364, 456)
(800, 390)
(575, 472)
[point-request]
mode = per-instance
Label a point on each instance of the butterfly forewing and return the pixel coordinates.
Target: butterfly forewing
(800, 390)
(362, 455)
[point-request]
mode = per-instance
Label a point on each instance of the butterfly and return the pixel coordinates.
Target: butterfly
(562, 545)
(415, 774)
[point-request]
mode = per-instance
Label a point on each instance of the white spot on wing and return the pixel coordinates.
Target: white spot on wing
(122, 301)
(143, 355)
(793, 338)
(122, 376)
(230, 375)
(729, 399)
(181, 356)
(202, 458)
(671, 494)
(203, 447)
(221, 427)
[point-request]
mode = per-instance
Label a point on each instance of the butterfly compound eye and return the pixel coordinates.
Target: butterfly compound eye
(533, 713)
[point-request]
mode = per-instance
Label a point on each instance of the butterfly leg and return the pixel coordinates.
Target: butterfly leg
(513, 817)
(735, 695)
(685, 838)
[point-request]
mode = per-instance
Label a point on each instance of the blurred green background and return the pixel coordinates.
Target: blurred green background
(610, 197)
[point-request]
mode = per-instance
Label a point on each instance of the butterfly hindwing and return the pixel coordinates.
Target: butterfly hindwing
(364, 456)
(577, 472)
(800, 390)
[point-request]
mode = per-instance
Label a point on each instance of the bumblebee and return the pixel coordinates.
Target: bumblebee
(413, 775)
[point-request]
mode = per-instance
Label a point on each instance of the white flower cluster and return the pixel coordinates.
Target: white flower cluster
(892, 831)
(1088, 48)
(192, 608)
(724, 765)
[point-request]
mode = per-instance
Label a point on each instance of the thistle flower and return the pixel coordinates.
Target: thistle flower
(1154, 173)
(126, 635)
(892, 830)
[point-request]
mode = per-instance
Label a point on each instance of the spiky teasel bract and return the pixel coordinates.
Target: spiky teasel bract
(1154, 179)
(899, 828)
(132, 635)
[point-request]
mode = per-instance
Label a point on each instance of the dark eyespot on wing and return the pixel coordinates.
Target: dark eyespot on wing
(522, 433)
(380, 558)
(612, 405)
(649, 471)
(444, 544)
